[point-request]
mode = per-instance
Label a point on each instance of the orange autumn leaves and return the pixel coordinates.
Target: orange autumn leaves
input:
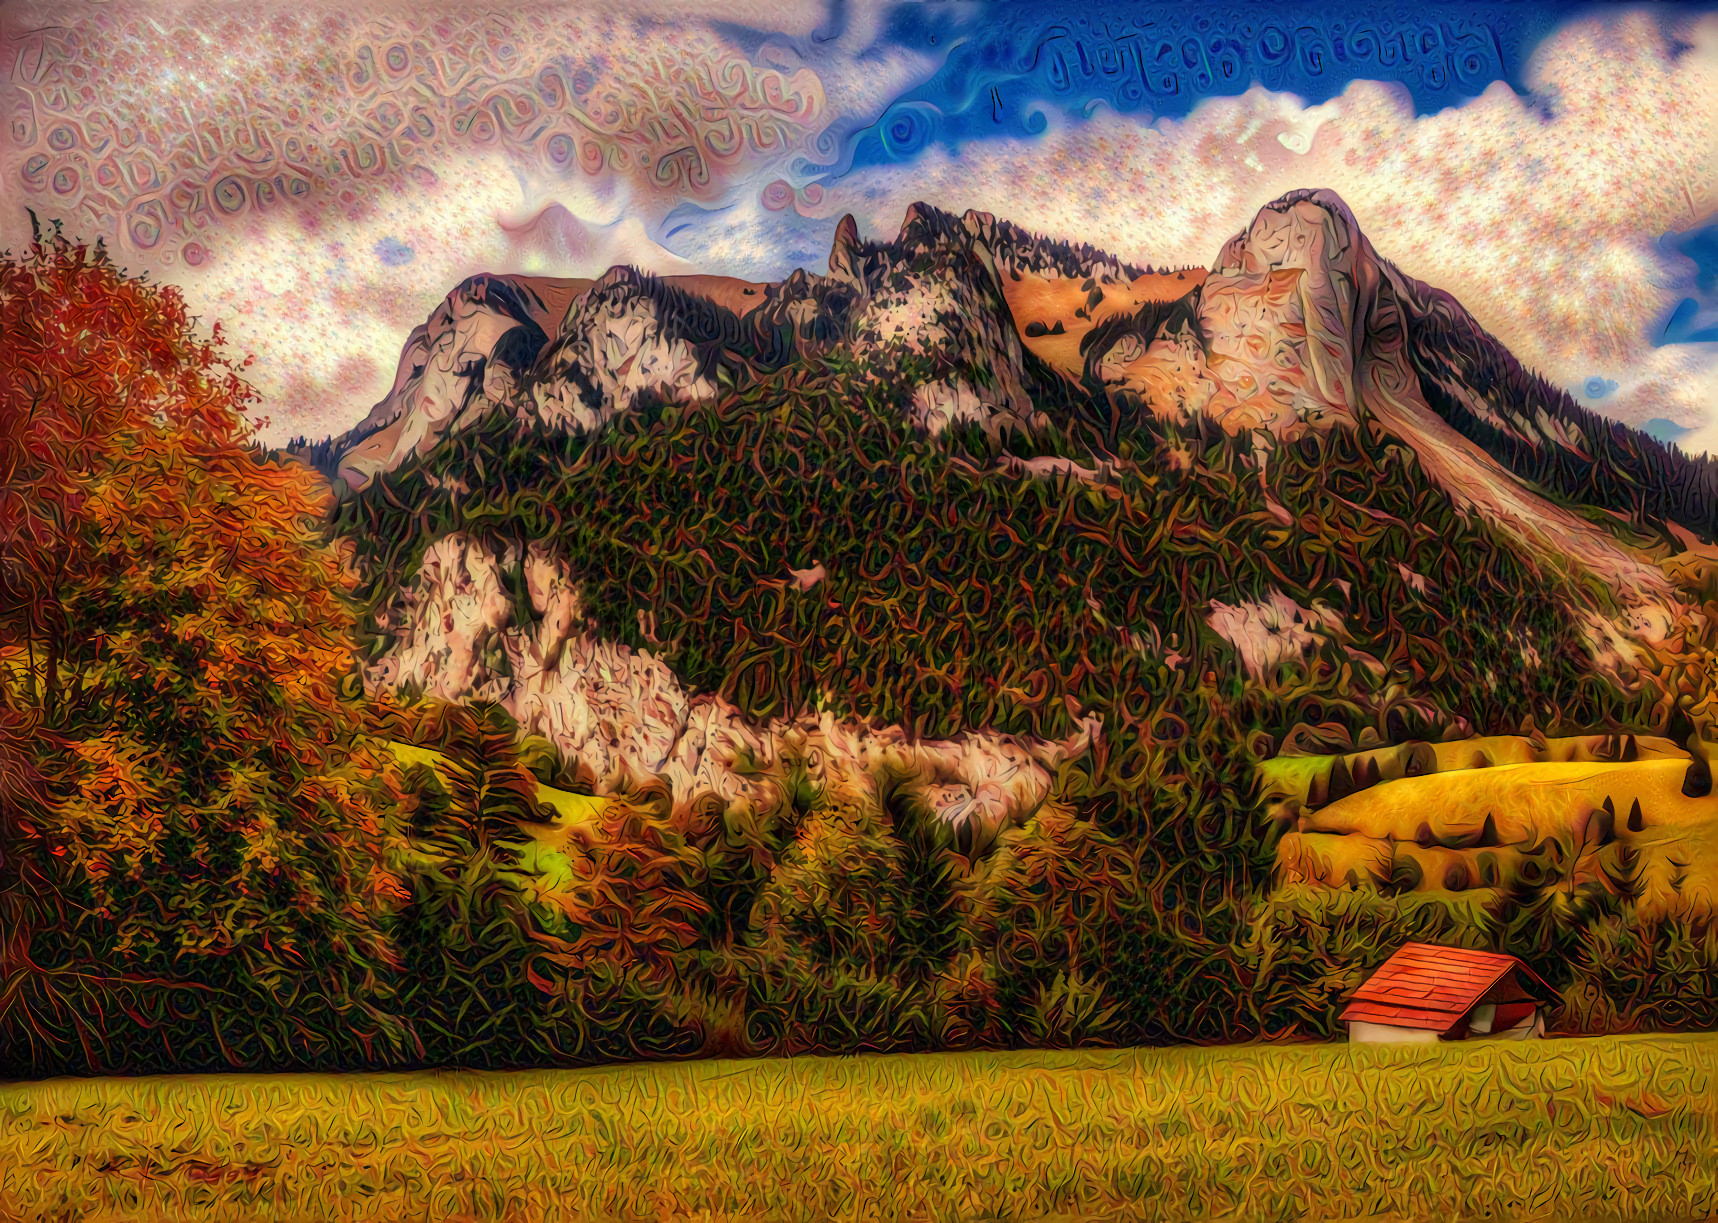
(172, 628)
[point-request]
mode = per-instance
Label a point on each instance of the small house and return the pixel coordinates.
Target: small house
(1427, 993)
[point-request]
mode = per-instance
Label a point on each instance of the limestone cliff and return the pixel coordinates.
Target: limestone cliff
(621, 714)
(470, 350)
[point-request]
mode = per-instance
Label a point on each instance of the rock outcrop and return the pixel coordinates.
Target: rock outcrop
(622, 714)
(573, 354)
(936, 293)
(620, 339)
(472, 348)
(1301, 324)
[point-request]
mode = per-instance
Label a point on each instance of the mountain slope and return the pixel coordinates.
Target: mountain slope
(484, 333)
(1305, 326)
(996, 568)
(651, 543)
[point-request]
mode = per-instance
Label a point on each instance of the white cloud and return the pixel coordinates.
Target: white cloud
(326, 319)
(1542, 219)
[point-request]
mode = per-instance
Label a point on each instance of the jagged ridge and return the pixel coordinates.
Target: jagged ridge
(936, 289)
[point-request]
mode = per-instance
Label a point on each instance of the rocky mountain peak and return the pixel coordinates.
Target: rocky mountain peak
(1299, 330)
(481, 338)
(846, 264)
(1299, 324)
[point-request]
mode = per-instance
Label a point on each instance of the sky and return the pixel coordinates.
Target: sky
(317, 178)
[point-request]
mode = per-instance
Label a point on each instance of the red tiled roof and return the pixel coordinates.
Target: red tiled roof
(1400, 1016)
(1427, 986)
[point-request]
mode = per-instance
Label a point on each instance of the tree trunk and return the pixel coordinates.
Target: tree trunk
(31, 691)
(51, 676)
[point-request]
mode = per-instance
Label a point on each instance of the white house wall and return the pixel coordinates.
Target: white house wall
(1361, 1032)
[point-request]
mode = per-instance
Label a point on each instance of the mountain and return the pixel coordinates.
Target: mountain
(1299, 323)
(980, 506)
(485, 333)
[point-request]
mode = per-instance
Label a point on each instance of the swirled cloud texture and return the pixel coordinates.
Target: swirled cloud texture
(318, 178)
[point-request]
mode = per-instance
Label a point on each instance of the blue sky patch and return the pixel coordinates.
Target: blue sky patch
(393, 253)
(1002, 63)
(1695, 319)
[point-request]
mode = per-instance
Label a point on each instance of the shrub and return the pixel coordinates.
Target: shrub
(1634, 975)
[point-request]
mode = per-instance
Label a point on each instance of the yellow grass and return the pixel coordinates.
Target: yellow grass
(571, 808)
(1679, 870)
(544, 865)
(1611, 1128)
(1034, 299)
(411, 753)
(1290, 777)
(1286, 775)
(1527, 803)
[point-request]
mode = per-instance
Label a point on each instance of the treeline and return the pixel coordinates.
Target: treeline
(934, 226)
(816, 926)
(324, 456)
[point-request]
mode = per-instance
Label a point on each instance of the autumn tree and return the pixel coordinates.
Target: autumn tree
(177, 639)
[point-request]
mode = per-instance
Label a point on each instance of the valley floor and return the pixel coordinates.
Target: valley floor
(1611, 1128)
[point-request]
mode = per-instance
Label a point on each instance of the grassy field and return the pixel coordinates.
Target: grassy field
(1525, 795)
(1614, 1128)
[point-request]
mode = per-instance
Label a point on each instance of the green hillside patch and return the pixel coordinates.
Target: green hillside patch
(1618, 1128)
(962, 593)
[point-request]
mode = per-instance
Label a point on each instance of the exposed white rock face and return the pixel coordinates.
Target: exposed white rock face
(1278, 311)
(917, 315)
(1112, 368)
(978, 779)
(1262, 371)
(614, 345)
(937, 405)
(1300, 325)
(1270, 633)
(458, 635)
(447, 618)
(469, 352)
(846, 265)
(1172, 376)
(938, 295)
(625, 714)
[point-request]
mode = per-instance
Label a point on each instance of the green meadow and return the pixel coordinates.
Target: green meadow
(1595, 1129)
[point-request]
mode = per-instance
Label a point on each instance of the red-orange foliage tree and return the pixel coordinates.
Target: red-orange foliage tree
(177, 642)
